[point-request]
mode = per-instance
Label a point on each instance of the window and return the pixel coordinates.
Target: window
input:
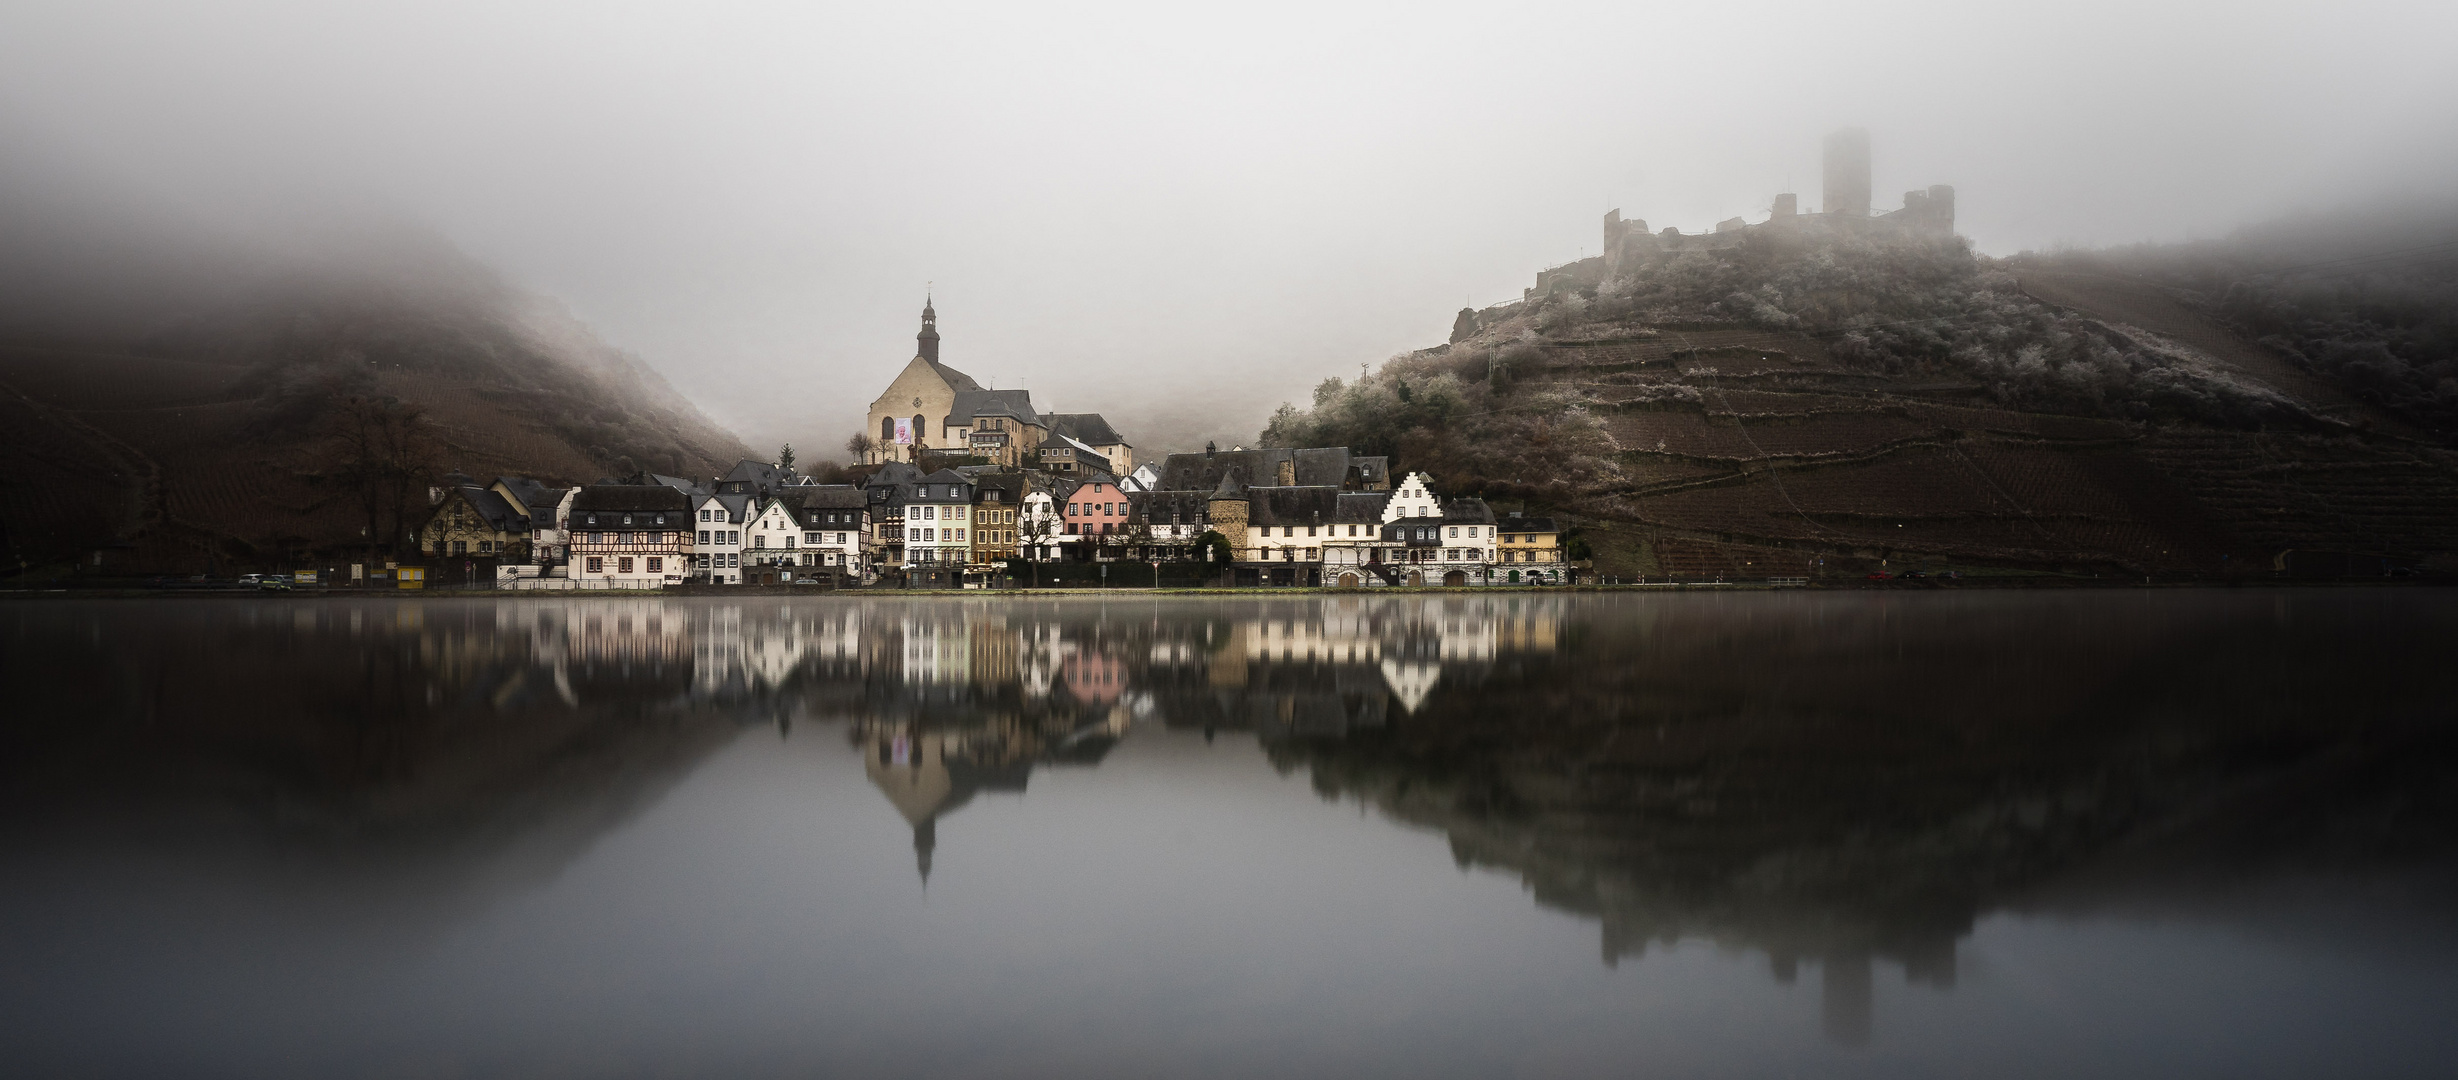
(1455, 530)
(789, 541)
(1310, 530)
(957, 512)
(704, 532)
(486, 547)
(623, 565)
(704, 515)
(627, 519)
(810, 540)
(656, 565)
(960, 536)
(759, 542)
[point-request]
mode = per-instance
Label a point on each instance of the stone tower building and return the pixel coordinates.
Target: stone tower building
(1847, 173)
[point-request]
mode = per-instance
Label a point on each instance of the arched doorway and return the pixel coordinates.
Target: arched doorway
(1348, 580)
(1514, 577)
(1454, 579)
(1416, 577)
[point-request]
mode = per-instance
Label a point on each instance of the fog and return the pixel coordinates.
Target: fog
(1177, 219)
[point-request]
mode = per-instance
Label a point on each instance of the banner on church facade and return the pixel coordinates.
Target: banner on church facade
(904, 433)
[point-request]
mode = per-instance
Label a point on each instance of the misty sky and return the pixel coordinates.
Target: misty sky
(1183, 219)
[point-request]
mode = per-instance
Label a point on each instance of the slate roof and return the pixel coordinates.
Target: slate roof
(955, 379)
(1328, 466)
(972, 404)
(499, 513)
(602, 506)
(831, 497)
(1154, 507)
(1527, 524)
(1089, 427)
(944, 486)
(1362, 507)
(650, 479)
(537, 499)
(737, 507)
(1467, 512)
(1304, 505)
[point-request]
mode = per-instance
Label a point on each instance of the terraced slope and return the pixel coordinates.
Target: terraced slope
(1716, 413)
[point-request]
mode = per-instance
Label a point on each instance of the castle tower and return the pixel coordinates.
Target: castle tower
(1847, 173)
(929, 337)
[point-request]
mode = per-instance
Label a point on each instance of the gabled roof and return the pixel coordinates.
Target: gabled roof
(892, 474)
(1088, 427)
(650, 479)
(1527, 524)
(1063, 441)
(1362, 507)
(498, 512)
(956, 380)
(1327, 466)
(972, 404)
(534, 498)
(1309, 505)
(830, 497)
(1467, 512)
(612, 500)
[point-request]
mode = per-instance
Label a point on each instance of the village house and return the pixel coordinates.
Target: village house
(469, 520)
(938, 521)
(548, 509)
(717, 538)
(1041, 527)
(998, 500)
(774, 537)
(1166, 524)
(885, 491)
(631, 535)
(833, 528)
(1530, 550)
(1096, 511)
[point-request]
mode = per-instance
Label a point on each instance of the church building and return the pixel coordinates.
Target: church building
(933, 408)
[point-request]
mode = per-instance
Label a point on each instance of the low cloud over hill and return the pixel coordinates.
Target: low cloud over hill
(176, 393)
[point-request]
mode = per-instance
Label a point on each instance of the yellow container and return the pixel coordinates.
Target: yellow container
(413, 577)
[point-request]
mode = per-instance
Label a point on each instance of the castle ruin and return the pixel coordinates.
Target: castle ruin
(1843, 205)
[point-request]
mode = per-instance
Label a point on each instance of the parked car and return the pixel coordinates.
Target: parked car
(806, 581)
(1881, 576)
(273, 583)
(251, 579)
(1916, 575)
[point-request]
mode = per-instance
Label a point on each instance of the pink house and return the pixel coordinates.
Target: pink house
(1095, 507)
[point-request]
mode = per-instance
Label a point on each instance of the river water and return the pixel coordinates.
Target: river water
(1776, 834)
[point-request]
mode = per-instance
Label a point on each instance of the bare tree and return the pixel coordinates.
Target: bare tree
(861, 446)
(384, 450)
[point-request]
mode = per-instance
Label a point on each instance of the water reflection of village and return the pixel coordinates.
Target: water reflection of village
(950, 699)
(1780, 780)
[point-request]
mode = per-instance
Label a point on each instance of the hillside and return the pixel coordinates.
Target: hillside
(1780, 402)
(175, 403)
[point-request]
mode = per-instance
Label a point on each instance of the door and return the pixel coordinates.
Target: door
(1454, 579)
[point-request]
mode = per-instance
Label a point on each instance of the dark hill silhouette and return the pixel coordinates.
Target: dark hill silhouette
(168, 397)
(1779, 403)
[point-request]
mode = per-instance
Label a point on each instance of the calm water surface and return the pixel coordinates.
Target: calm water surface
(1989, 834)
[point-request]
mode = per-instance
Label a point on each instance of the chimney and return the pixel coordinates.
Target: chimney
(1288, 472)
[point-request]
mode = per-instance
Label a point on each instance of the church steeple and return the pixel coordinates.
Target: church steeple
(929, 337)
